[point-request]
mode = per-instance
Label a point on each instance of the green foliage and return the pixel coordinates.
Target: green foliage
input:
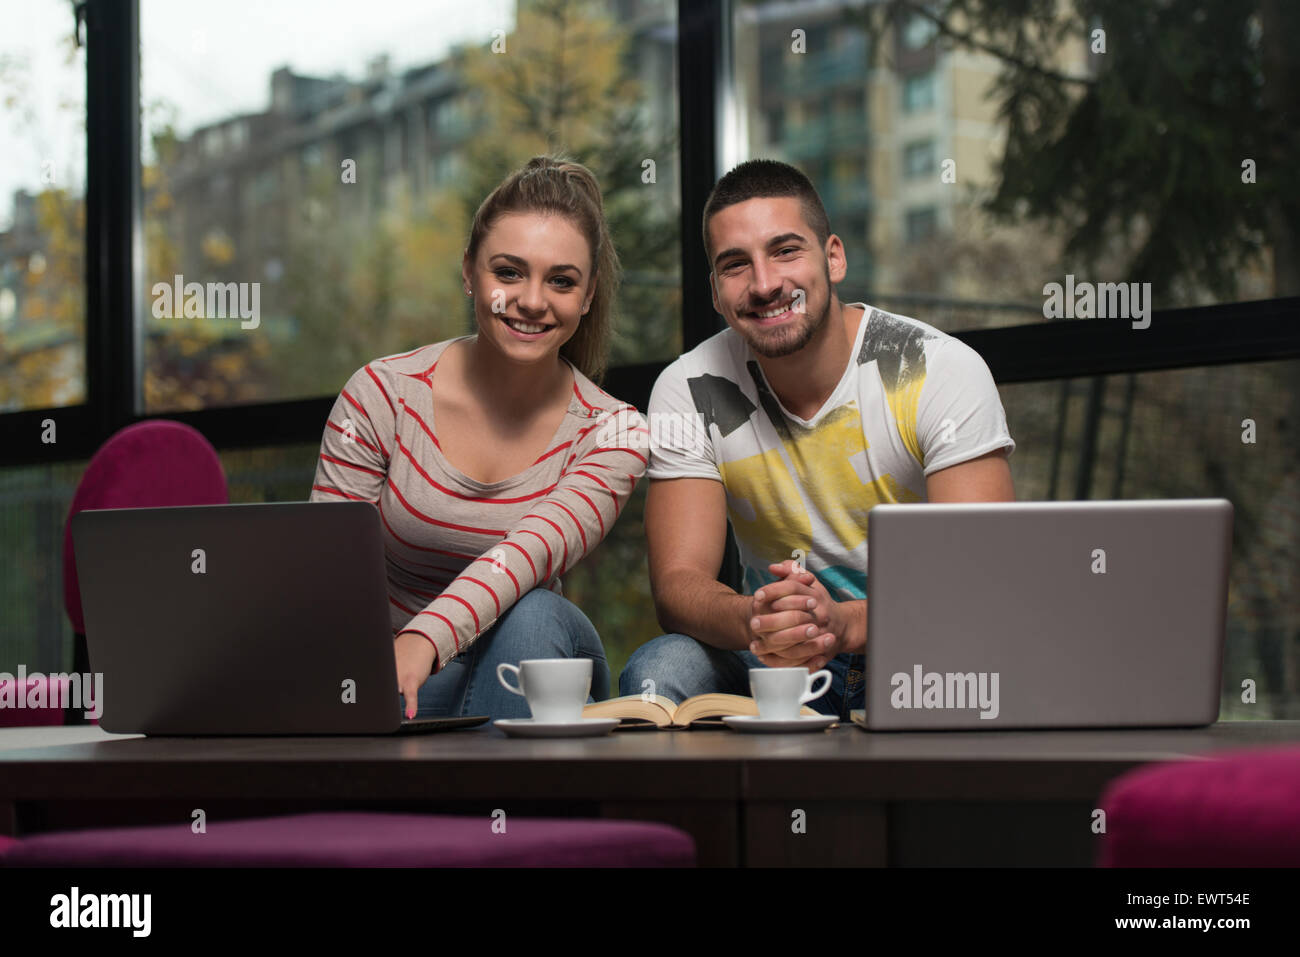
(564, 86)
(1138, 160)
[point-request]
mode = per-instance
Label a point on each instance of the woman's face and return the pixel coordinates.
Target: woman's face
(531, 282)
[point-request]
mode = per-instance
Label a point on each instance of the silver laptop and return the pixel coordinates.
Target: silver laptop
(1046, 614)
(242, 619)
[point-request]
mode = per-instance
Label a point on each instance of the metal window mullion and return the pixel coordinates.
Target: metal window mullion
(114, 243)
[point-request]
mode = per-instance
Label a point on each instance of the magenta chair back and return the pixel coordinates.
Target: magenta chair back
(146, 465)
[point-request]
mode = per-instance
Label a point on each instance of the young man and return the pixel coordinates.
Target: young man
(807, 413)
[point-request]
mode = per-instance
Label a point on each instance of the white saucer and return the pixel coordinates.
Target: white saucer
(756, 725)
(532, 728)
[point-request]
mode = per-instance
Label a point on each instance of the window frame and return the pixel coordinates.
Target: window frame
(1227, 333)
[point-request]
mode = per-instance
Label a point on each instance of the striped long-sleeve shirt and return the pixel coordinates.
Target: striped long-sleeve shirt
(459, 552)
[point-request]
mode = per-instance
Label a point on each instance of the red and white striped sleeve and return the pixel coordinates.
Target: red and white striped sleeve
(607, 459)
(358, 441)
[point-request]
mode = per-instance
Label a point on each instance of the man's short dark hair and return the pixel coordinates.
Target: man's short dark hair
(760, 178)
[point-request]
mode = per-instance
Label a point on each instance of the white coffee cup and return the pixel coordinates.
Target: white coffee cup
(780, 692)
(556, 688)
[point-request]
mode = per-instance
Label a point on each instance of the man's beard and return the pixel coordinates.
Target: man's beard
(786, 340)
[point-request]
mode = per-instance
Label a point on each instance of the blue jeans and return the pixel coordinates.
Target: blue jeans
(682, 667)
(541, 624)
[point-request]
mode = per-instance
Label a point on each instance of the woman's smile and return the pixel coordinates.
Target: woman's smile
(528, 331)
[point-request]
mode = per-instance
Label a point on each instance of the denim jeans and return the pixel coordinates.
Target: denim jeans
(682, 667)
(541, 624)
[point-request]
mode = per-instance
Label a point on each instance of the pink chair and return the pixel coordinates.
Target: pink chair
(1239, 809)
(146, 465)
(362, 839)
(150, 463)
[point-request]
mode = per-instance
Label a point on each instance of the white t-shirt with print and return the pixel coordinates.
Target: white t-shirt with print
(912, 400)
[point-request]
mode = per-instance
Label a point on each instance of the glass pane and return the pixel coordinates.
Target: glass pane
(280, 474)
(1134, 155)
(42, 207)
(1225, 431)
(34, 505)
(307, 202)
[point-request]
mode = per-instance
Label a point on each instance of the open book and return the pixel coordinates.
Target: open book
(656, 711)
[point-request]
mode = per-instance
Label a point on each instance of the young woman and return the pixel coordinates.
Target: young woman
(495, 461)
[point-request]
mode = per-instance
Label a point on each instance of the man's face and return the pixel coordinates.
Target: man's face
(771, 279)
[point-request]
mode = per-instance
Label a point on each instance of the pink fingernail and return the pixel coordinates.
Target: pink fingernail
(410, 712)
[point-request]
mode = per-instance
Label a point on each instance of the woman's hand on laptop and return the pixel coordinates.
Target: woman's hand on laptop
(415, 660)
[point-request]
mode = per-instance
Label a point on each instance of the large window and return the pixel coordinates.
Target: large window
(42, 211)
(309, 178)
(1046, 149)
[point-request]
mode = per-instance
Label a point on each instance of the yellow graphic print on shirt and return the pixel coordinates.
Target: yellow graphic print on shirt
(764, 505)
(768, 507)
(823, 459)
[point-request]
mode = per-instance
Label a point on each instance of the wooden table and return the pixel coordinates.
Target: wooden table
(937, 798)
